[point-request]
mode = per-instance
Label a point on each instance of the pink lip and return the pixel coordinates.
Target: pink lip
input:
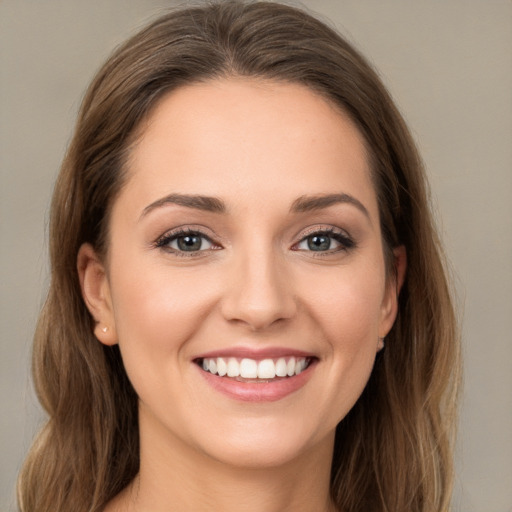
(258, 392)
(257, 354)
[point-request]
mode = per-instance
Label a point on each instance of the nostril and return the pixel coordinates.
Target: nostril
(259, 315)
(259, 294)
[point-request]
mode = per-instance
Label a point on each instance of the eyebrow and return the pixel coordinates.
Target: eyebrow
(216, 205)
(319, 202)
(205, 203)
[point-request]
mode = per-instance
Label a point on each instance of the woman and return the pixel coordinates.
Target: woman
(248, 307)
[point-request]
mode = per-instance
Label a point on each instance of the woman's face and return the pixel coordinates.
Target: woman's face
(246, 239)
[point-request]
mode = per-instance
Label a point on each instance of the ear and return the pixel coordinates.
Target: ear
(389, 308)
(96, 294)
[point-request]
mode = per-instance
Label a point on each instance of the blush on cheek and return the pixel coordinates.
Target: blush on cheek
(157, 316)
(350, 314)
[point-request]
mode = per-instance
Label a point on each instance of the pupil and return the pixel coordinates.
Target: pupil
(319, 243)
(189, 243)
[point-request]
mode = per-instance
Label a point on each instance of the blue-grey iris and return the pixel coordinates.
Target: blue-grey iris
(189, 243)
(319, 243)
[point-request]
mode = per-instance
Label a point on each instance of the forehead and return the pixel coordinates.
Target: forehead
(238, 137)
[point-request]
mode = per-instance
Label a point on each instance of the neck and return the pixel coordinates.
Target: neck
(174, 477)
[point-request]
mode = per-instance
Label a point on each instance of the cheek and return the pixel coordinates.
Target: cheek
(157, 314)
(158, 310)
(346, 309)
(347, 304)
(350, 322)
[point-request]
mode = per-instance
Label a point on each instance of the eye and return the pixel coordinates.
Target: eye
(325, 241)
(186, 241)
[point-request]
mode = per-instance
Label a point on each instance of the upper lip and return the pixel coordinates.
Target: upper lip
(255, 353)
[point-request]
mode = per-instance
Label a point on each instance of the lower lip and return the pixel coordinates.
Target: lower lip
(258, 392)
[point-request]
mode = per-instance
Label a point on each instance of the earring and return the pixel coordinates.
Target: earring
(104, 329)
(381, 343)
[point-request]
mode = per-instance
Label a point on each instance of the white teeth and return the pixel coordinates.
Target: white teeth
(248, 369)
(281, 367)
(290, 368)
(233, 367)
(300, 364)
(222, 367)
(266, 369)
(252, 369)
(212, 366)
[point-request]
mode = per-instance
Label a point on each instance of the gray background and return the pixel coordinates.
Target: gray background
(449, 66)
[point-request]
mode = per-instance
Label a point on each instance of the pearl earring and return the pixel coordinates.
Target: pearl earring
(104, 329)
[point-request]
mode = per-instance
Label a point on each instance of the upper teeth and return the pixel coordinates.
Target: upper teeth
(253, 369)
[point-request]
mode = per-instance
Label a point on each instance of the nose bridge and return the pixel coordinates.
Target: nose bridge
(259, 293)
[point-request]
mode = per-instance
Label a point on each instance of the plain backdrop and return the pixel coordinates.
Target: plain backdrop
(448, 64)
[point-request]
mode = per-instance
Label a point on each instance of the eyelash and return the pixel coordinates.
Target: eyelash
(164, 242)
(342, 238)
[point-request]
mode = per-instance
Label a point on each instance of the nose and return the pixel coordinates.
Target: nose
(259, 292)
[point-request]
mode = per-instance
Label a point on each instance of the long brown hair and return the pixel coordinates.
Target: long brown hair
(393, 450)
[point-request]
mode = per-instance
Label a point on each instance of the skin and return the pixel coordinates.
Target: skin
(258, 146)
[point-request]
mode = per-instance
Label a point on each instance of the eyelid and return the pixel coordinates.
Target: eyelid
(347, 242)
(323, 228)
(163, 240)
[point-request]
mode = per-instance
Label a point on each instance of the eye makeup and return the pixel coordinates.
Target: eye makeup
(191, 241)
(186, 242)
(324, 241)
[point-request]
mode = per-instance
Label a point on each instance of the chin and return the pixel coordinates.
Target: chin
(263, 443)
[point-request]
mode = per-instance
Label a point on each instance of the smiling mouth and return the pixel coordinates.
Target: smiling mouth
(255, 371)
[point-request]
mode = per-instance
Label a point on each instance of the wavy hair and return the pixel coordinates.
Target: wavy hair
(393, 451)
